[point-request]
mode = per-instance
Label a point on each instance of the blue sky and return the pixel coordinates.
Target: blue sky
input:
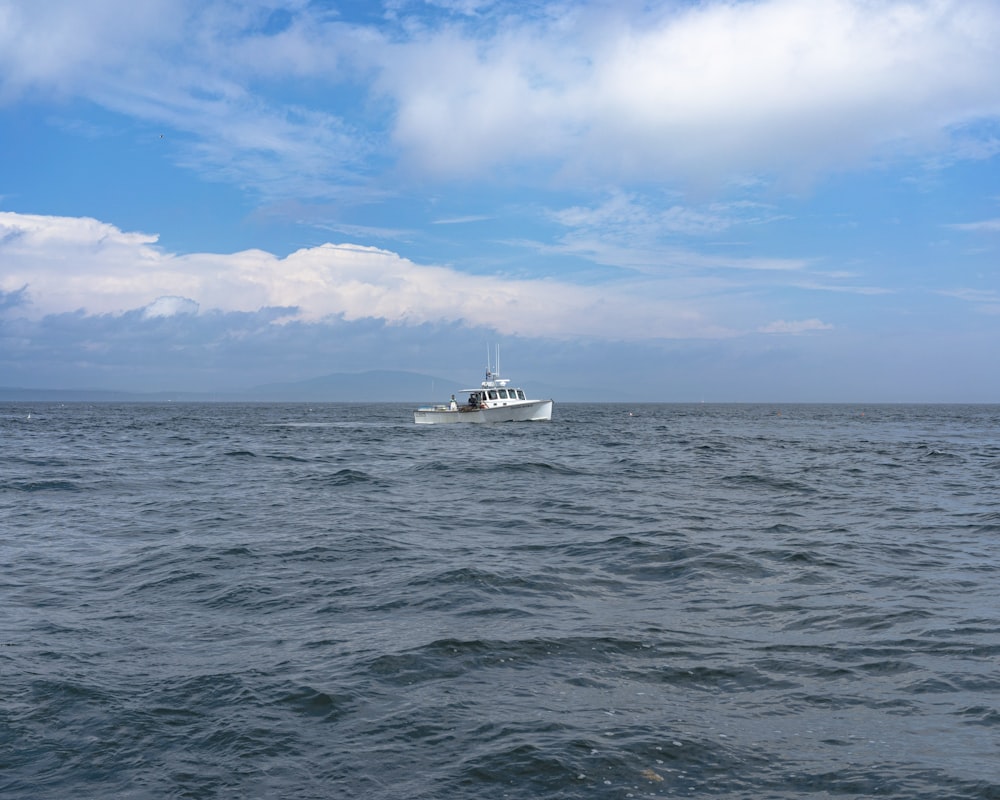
(753, 200)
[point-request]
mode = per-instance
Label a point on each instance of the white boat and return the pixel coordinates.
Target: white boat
(493, 401)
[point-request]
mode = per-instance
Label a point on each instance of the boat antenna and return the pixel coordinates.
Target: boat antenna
(492, 370)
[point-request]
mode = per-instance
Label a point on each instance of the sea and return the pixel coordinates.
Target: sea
(629, 601)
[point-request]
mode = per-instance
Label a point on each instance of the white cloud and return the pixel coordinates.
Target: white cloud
(842, 288)
(170, 307)
(778, 85)
(61, 45)
(985, 226)
(468, 7)
(587, 93)
(462, 220)
(193, 69)
(71, 264)
(636, 217)
(796, 326)
(659, 260)
(985, 301)
(641, 233)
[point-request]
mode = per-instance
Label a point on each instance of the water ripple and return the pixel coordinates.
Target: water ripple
(328, 601)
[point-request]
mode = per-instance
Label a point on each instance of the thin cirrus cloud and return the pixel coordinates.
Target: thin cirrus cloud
(800, 326)
(983, 226)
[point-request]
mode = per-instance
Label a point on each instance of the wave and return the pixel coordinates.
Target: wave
(55, 485)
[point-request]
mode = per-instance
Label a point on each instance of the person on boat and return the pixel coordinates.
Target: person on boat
(453, 406)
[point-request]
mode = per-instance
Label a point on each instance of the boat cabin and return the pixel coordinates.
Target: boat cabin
(493, 392)
(479, 397)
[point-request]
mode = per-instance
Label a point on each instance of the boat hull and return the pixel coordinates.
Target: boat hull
(531, 411)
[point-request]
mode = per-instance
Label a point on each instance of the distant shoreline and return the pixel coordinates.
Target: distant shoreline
(10, 396)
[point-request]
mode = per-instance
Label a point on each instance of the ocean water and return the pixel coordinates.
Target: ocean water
(325, 601)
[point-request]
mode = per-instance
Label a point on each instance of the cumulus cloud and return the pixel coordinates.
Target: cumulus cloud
(70, 264)
(583, 93)
(776, 85)
(170, 307)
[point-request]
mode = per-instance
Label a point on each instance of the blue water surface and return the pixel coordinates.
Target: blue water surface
(320, 601)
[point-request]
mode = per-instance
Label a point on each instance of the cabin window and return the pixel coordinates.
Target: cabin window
(493, 394)
(520, 394)
(503, 394)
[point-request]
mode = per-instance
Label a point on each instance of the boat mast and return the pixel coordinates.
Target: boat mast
(492, 370)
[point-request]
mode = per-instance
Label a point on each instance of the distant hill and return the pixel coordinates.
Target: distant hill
(17, 395)
(374, 386)
(381, 386)
(348, 387)
(388, 386)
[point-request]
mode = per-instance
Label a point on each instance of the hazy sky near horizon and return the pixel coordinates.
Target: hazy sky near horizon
(734, 201)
